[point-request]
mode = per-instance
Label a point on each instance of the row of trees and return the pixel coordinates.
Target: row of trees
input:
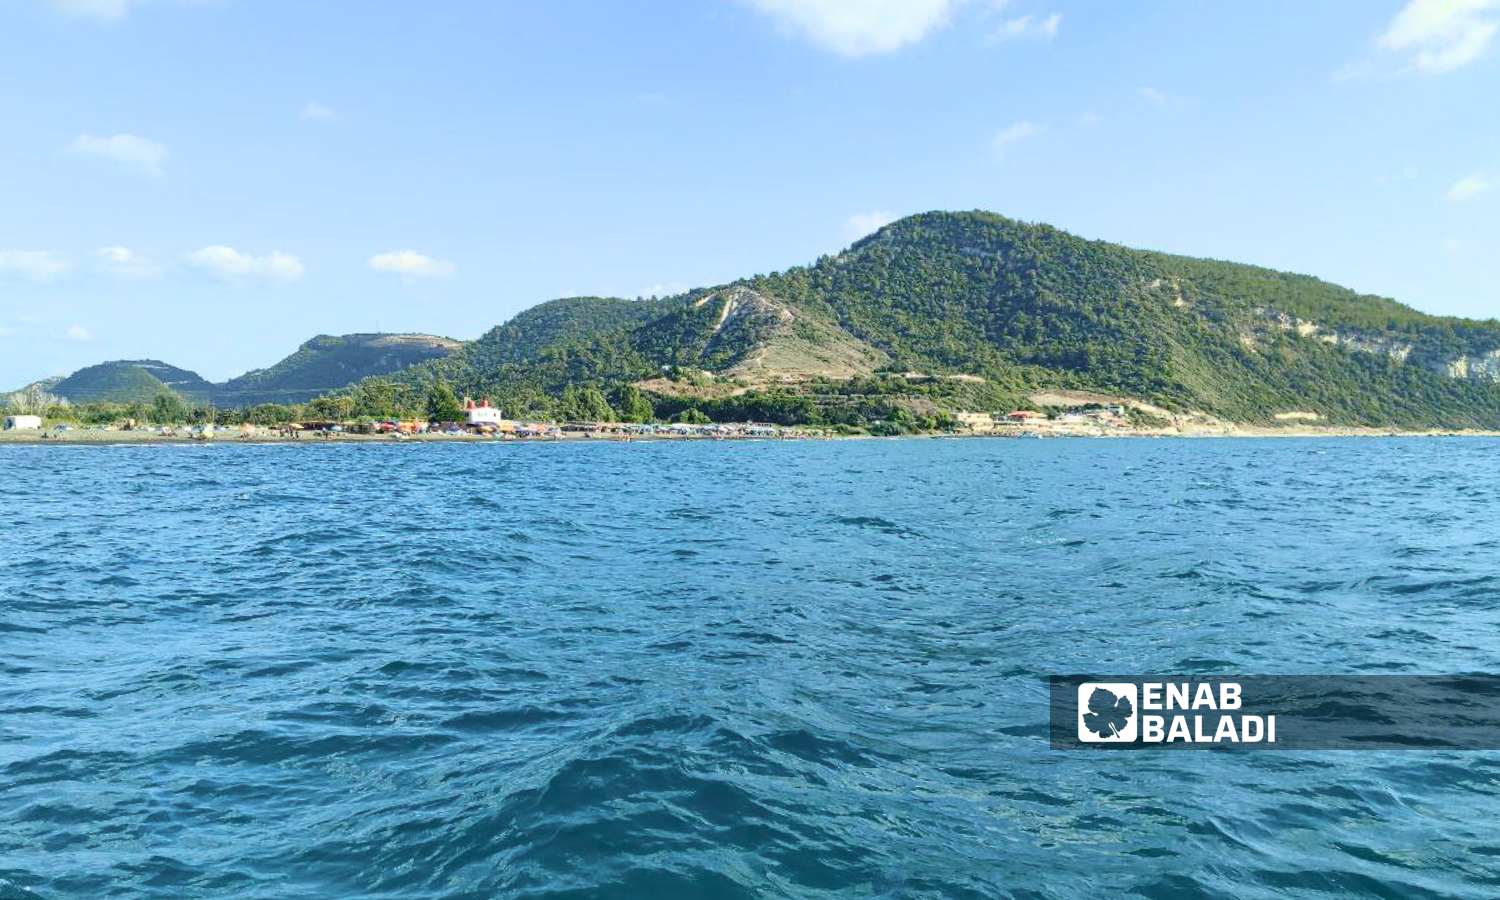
(883, 404)
(370, 400)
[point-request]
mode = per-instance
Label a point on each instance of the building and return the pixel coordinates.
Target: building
(481, 413)
(1023, 415)
(23, 423)
(976, 421)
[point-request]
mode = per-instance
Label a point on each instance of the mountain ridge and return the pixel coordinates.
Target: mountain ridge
(320, 364)
(943, 312)
(1014, 307)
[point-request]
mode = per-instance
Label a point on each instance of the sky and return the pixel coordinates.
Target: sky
(212, 182)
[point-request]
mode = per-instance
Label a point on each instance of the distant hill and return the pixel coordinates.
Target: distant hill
(974, 310)
(322, 365)
(44, 385)
(124, 381)
(327, 363)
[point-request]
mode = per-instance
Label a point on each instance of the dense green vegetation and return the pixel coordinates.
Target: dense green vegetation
(865, 339)
(1024, 307)
(1031, 306)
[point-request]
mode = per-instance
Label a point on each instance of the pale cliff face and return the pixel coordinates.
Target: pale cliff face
(1397, 350)
(1474, 367)
(1484, 367)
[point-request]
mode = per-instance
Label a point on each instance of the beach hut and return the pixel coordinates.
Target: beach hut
(23, 423)
(481, 413)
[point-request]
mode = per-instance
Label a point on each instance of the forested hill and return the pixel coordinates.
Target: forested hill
(328, 363)
(936, 313)
(1033, 305)
(1020, 306)
(126, 381)
(321, 365)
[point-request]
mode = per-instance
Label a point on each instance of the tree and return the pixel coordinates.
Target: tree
(442, 403)
(634, 407)
(168, 409)
(693, 416)
(375, 398)
(897, 420)
(269, 414)
(32, 400)
(333, 409)
(584, 404)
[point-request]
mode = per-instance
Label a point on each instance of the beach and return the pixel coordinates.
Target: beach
(83, 437)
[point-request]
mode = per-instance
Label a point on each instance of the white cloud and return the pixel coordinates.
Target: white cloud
(1027, 26)
(5, 332)
(1153, 96)
(314, 111)
(1470, 187)
(863, 223)
(1013, 134)
(860, 27)
(1442, 35)
(98, 10)
(126, 262)
(411, 264)
(227, 262)
(128, 150)
(78, 333)
(33, 265)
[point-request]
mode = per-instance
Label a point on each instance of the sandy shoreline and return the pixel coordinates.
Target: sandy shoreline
(103, 438)
(141, 438)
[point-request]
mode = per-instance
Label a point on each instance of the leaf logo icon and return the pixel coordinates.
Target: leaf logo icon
(1106, 712)
(1108, 715)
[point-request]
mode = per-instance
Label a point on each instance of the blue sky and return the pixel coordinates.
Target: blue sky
(211, 182)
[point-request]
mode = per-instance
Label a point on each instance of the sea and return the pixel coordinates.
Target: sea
(724, 669)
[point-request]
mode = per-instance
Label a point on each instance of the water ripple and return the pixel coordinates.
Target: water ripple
(722, 670)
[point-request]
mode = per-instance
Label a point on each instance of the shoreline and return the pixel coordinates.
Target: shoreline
(145, 438)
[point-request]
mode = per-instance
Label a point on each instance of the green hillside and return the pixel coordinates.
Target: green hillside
(126, 381)
(973, 310)
(937, 313)
(327, 363)
(1029, 305)
(321, 365)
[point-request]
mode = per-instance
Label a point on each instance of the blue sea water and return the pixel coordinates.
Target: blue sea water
(776, 669)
